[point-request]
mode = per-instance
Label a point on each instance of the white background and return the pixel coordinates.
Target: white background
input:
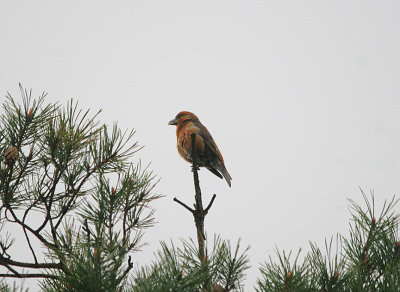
(302, 98)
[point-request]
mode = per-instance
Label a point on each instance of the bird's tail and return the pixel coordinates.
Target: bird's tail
(225, 174)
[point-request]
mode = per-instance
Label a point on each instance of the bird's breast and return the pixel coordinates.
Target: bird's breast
(184, 142)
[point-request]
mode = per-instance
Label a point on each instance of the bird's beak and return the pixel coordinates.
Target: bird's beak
(173, 122)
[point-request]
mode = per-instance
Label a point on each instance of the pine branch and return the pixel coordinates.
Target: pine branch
(57, 180)
(25, 276)
(210, 204)
(199, 213)
(6, 261)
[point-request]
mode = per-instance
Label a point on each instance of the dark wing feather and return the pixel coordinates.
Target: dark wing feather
(211, 151)
(214, 171)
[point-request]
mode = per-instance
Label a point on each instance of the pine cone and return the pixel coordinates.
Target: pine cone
(10, 156)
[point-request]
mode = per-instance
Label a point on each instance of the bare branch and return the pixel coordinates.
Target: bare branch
(130, 266)
(22, 276)
(4, 261)
(184, 205)
(210, 204)
(198, 214)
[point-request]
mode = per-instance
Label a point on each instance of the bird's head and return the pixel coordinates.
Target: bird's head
(183, 116)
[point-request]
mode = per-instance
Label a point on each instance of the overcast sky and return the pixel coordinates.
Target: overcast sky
(302, 98)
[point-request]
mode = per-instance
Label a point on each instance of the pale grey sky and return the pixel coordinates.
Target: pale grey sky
(302, 98)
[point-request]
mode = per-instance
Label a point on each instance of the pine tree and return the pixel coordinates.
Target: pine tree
(368, 260)
(68, 185)
(182, 269)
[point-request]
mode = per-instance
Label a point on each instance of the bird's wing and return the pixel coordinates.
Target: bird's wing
(214, 171)
(210, 148)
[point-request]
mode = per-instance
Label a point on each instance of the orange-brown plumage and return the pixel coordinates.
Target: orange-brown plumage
(208, 154)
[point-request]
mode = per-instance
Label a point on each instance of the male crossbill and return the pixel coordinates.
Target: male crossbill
(208, 154)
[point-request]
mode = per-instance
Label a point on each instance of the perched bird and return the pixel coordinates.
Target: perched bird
(208, 154)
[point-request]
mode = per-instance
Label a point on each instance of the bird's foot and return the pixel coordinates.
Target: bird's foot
(197, 169)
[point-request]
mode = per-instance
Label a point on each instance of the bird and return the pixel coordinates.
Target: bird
(208, 154)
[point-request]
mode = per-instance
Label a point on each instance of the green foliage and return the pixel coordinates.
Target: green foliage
(326, 271)
(372, 251)
(75, 178)
(180, 269)
(4, 287)
(111, 223)
(284, 275)
(369, 260)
